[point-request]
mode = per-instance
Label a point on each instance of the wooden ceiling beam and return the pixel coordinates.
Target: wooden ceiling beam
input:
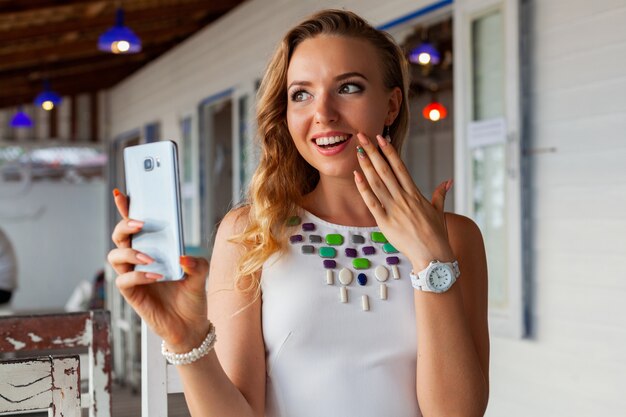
(56, 55)
(19, 80)
(75, 85)
(20, 6)
(135, 20)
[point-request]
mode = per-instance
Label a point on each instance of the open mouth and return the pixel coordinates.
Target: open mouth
(331, 141)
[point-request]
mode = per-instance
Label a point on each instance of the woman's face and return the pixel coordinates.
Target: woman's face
(335, 90)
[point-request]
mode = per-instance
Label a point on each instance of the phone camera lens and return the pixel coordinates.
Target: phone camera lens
(148, 164)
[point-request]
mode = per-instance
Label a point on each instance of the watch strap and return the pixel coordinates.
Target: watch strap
(419, 280)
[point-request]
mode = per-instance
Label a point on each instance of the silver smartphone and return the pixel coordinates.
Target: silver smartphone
(153, 188)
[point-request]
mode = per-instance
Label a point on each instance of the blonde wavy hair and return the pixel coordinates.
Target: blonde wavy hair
(283, 177)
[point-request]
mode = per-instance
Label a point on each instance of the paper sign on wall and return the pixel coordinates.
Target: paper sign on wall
(486, 132)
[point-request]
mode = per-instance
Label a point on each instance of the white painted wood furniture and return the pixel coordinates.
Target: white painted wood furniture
(31, 336)
(125, 334)
(158, 378)
(47, 383)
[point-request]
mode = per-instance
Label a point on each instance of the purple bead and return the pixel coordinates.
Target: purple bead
(329, 264)
(392, 260)
(296, 238)
(369, 250)
(308, 227)
(351, 252)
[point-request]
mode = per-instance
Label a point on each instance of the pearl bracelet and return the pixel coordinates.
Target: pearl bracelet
(194, 354)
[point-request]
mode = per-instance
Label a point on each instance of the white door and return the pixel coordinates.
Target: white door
(487, 146)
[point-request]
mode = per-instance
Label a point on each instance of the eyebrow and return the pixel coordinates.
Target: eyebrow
(337, 78)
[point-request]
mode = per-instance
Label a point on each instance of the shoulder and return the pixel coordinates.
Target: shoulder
(467, 243)
(462, 230)
(234, 222)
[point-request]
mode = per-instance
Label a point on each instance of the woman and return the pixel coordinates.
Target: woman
(334, 328)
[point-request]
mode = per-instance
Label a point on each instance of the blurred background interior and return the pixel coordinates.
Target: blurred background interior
(521, 102)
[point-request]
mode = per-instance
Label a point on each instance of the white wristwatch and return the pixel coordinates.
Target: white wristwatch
(437, 277)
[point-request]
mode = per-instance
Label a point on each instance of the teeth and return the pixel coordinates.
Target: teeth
(330, 140)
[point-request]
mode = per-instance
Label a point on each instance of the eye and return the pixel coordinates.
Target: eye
(350, 88)
(299, 95)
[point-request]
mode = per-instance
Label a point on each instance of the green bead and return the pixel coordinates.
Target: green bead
(361, 263)
(293, 221)
(388, 248)
(378, 237)
(326, 252)
(334, 239)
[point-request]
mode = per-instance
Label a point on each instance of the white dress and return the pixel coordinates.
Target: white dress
(327, 358)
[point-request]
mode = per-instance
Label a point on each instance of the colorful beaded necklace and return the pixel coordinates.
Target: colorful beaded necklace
(361, 264)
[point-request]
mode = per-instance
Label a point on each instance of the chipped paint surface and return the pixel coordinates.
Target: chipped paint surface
(41, 383)
(62, 331)
(17, 345)
(81, 339)
(34, 337)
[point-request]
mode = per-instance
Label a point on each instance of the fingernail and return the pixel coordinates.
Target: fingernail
(360, 152)
(362, 139)
(135, 224)
(357, 177)
(116, 192)
(188, 261)
(381, 141)
(449, 185)
(144, 258)
(152, 275)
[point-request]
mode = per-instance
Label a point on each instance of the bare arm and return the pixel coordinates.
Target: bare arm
(234, 385)
(453, 339)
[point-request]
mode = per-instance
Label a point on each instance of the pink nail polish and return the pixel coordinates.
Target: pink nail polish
(135, 224)
(152, 275)
(381, 141)
(144, 258)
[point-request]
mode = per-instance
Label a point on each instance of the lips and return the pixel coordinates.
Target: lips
(331, 143)
(331, 140)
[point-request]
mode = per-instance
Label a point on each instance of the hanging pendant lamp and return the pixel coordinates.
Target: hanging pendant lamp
(434, 111)
(47, 99)
(119, 39)
(425, 54)
(21, 120)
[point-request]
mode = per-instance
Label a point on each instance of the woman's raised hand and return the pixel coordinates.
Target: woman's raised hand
(413, 225)
(175, 310)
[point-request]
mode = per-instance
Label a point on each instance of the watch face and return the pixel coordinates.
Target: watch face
(440, 278)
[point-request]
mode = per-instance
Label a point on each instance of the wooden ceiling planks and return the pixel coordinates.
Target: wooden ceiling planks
(57, 40)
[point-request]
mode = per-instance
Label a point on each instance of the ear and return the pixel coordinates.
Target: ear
(393, 106)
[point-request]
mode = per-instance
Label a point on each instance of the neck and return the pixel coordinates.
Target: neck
(337, 200)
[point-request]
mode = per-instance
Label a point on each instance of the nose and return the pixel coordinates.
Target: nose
(325, 109)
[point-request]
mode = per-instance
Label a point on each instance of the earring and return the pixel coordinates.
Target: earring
(386, 134)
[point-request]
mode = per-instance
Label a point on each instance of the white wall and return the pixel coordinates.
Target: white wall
(575, 364)
(59, 248)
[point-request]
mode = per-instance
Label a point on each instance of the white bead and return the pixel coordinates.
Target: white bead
(395, 271)
(345, 276)
(383, 291)
(196, 353)
(343, 294)
(381, 273)
(330, 278)
(365, 302)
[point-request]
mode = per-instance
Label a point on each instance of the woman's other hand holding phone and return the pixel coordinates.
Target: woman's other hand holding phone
(175, 310)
